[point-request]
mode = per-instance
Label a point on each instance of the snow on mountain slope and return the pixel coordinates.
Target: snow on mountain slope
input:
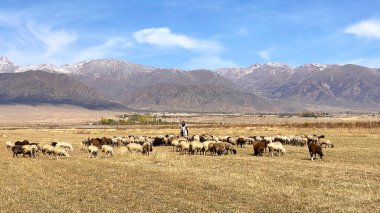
(6, 65)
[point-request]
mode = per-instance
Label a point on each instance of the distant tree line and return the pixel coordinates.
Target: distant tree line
(145, 119)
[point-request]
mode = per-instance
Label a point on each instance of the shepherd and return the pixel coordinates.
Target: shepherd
(184, 130)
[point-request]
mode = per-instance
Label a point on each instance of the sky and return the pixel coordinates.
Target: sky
(190, 34)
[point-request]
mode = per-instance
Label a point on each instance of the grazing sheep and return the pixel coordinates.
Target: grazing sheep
(250, 140)
(312, 138)
(298, 141)
(276, 146)
(195, 146)
(214, 138)
(60, 152)
(93, 151)
(183, 146)
(9, 145)
(211, 147)
(147, 148)
(231, 140)
(31, 150)
(86, 142)
(326, 143)
(219, 149)
(241, 141)
(174, 144)
(65, 145)
(128, 140)
(95, 142)
(117, 141)
(47, 149)
(108, 150)
(314, 149)
(106, 141)
(196, 138)
(258, 138)
(134, 147)
(158, 141)
(268, 139)
(206, 146)
(22, 143)
(259, 148)
(17, 149)
(281, 138)
(229, 147)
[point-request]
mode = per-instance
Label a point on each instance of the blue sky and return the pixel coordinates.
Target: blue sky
(190, 34)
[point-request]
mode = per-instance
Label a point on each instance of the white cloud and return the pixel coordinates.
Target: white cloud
(26, 41)
(265, 54)
(207, 52)
(373, 62)
(165, 38)
(209, 62)
(54, 40)
(367, 28)
(111, 46)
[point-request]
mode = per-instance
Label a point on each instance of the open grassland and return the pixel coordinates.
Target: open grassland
(347, 180)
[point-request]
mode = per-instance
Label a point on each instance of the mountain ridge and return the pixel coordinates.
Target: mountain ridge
(288, 86)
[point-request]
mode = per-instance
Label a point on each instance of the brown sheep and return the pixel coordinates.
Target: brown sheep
(259, 147)
(147, 148)
(22, 143)
(96, 142)
(230, 148)
(314, 149)
(241, 141)
(219, 149)
(17, 149)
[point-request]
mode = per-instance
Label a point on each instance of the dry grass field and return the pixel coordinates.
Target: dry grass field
(347, 180)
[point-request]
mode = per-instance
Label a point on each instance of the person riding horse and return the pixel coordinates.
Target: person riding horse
(184, 130)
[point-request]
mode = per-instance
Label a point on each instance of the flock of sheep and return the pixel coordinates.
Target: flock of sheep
(196, 144)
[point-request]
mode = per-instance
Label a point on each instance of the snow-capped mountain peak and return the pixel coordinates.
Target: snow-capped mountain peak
(6, 65)
(43, 67)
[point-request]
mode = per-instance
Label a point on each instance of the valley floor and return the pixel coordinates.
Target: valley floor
(347, 180)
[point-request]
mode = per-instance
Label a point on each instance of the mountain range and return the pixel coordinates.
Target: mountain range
(271, 87)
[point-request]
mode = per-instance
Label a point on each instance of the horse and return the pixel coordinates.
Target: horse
(184, 131)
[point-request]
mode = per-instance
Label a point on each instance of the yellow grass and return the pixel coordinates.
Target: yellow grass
(347, 180)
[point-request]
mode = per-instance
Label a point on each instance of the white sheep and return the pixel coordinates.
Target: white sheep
(27, 149)
(60, 152)
(134, 147)
(223, 138)
(326, 143)
(140, 140)
(231, 140)
(195, 146)
(93, 151)
(196, 138)
(215, 138)
(107, 149)
(9, 145)
(47, 149)
(268, 139)
(183, 146)
(128, 140)
(65, 145)
(276, 146)
(117, 140)
(206, 147)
